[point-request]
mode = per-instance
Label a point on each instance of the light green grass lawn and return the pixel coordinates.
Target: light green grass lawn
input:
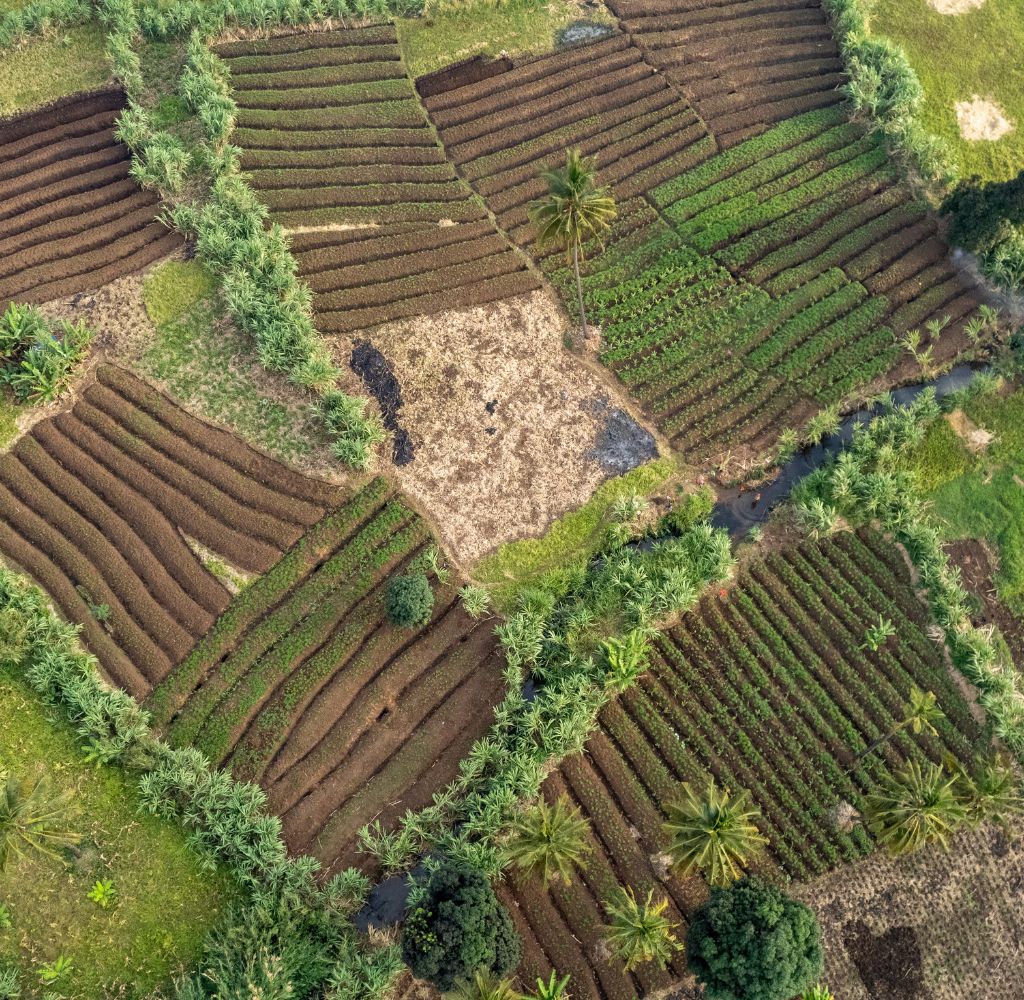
(956, 57)
(47, 68)
(205, 360)
(165, 901)
(982, 496)
(549, 562)
(487, 28)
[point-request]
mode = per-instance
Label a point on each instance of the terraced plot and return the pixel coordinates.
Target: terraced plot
(71, 218)
(339, 148)
(94, 503)
(303, 686)
(743, 64)
(603, 98)
(769, 688)
(798, 258)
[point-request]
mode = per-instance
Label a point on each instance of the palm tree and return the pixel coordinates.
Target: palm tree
(922, 712)
(819, 991)
(918, 807)
(994, 795)
(714, 831)
(574, 210)
(32, 820)
(485, 986)
(549, 839)
(553, 989)
(640, 932)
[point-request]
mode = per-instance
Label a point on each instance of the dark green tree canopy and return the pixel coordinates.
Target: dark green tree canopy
(409, 601)
(458, 928)
(981, 211)
(751, 942)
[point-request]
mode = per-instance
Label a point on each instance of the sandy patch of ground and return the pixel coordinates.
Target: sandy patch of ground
(955, 6)
(509, 430)
(931, 926)
(981, 120)
(976, 438)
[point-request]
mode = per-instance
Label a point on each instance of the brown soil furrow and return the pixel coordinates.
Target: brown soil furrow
(237, 547)
(305, 40)
(94, 141)
(64, 187)
(118, 667)
(315, 495)
(60, 170)
(50, 122)
(281, 513)
(349, 156)
(79, 534)
(259, 137)
(237, 515)
(195, 619)
(135, 508)
(80, 572)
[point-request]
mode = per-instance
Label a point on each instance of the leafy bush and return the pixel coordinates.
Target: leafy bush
(354, 432)
(458, 927)
(751, 942)
(409, 601)
(38, 17)
(37, 364)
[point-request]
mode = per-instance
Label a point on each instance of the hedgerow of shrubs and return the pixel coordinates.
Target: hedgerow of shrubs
(37, 363)
(292, 935)
(870, 481)
(219, 211)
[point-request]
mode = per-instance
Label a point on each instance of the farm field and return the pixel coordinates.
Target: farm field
(338, 147)
(766, 686)
(800, 253)
(304, 687)
(71, 218)
(743, 64)
(166, 901)
(958, 57)
(98, 504)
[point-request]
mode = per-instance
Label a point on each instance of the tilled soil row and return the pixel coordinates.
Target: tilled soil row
(421, 242)
(100, 499)
(788, 61)
(72, 219)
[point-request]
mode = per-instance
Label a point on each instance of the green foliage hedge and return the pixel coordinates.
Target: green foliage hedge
(38, 17)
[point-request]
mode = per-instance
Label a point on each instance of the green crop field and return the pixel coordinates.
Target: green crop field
(957, 57)
(165, 902)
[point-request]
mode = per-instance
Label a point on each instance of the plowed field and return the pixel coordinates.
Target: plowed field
(768, 688)
(743, 64)
(339, 148)
(603, 98)
(798, 257)
(303, 686)
(94, 504)
(71, 218)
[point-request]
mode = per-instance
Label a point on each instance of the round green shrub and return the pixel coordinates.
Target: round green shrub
(749, 941)
(458, 928)
(409, 601)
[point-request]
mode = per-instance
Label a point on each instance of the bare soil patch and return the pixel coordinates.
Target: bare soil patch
(982, 120)
(955, 6)
(932, 926)
(510, 430)
(976, 438)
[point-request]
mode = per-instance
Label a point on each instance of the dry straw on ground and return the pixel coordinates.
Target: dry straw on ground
(955, 6)
(981, 120)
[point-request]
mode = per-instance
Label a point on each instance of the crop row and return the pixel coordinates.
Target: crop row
(339, 149)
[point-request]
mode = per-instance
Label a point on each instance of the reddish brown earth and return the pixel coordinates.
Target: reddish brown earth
(94, 504)
(71, 218)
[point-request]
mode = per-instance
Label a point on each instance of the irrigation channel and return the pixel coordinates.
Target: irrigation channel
(737, 510)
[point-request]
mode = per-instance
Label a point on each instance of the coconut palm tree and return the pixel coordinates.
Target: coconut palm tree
(574, 210)
(920, 806)
(713, 830)
(485, 986)
(922, 712)
(32, 820)
(549, 840)
(640, 932)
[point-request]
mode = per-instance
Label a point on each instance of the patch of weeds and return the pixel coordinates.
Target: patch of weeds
(169, 110)
(203, 360)
(9, 410)
(552, 561)
(941, 457)
(59, 64)
(175, 287)
(486, 28)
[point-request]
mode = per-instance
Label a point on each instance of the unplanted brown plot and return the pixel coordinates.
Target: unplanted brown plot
(99, 505)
